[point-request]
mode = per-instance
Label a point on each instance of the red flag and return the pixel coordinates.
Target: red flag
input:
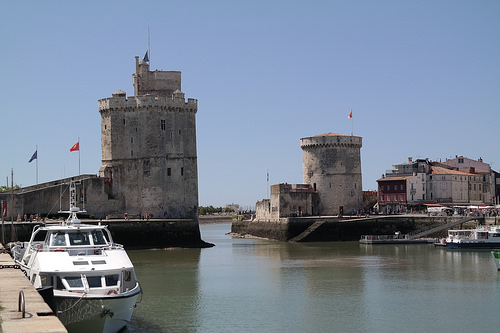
(4, 208)
(350, 114)
(75, 147)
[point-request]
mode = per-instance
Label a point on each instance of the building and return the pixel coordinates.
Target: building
(332, 181)
(331, 163)
(149, 159)
(457, 182)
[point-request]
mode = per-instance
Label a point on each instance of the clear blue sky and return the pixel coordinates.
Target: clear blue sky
(422, 79)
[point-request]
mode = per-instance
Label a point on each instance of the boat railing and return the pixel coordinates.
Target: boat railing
(75, 250)
(384, 237)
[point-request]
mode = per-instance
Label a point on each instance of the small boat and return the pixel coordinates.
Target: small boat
(482, 237)
(91, 281)
(496, 258)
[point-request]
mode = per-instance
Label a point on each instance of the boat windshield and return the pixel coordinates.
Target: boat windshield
(78, 238)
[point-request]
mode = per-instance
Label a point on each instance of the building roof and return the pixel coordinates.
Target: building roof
(390, 178)
(444, 171)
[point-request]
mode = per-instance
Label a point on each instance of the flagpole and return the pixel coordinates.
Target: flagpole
(36, 164)
(79, 173)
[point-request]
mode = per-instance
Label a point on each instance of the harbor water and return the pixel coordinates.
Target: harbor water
(254, 285)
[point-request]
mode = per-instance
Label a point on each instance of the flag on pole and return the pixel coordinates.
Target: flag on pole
(350, 114)
(75, 147)
(34, 156)
(146, 58)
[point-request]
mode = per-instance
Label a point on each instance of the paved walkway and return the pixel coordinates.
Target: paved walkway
(38, 315)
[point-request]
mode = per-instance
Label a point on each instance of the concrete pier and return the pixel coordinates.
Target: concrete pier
(38, 315)
(333, 229)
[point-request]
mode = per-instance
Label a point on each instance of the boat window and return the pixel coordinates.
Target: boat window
(79, 238)
(112, 280)
(43, 279)
(94, 281)
(127, 276)
(74, 281)
(98, 237)
(80, 262)
(58, 239)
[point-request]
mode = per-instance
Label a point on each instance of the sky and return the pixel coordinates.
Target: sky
(421, 77)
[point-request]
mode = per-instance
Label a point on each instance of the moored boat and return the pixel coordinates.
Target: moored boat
(90, 278)
(482, 237)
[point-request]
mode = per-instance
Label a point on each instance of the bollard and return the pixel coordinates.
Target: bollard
(21, 304)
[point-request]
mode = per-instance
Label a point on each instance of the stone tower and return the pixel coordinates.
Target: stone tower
(331, 163)
(148, 140)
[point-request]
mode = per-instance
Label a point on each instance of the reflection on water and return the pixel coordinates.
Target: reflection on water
(248, 285)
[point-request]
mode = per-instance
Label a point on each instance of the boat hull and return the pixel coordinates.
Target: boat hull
(105, 314)
(472, 245)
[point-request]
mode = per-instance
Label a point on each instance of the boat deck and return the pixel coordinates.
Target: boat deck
(393, 239)
(37, 313)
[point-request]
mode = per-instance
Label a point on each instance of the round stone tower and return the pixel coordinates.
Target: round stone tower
(331, 163)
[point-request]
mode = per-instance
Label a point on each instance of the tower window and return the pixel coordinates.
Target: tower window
(131, 153)
(182, 171)
(123, 121)
(131, 140)
(163, 124)
(169, 172)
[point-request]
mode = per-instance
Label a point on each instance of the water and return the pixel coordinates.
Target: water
(249, 285)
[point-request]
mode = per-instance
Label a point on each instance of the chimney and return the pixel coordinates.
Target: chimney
(410, 159)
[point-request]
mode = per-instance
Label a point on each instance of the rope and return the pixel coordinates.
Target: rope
(72, 306)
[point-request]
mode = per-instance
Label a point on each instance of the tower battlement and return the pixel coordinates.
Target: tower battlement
(174, 103)
(331, 140)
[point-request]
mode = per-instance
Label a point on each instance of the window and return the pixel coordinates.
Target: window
(169, 172)
(98, 237)
(79, 238)
(182, 171)
(388, 187)
(58, 239)
(123, 121)
(460, 160)
(112, 280)
(94, 281)
(163, 124)
(74, 281)
(132, 140)
(402, 187)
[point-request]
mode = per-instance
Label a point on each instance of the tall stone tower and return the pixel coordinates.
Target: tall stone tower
(148, 140)
(331, 163)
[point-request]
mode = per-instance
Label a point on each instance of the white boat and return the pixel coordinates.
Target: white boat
(93, 281)
(482, 237)
(496, 258)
